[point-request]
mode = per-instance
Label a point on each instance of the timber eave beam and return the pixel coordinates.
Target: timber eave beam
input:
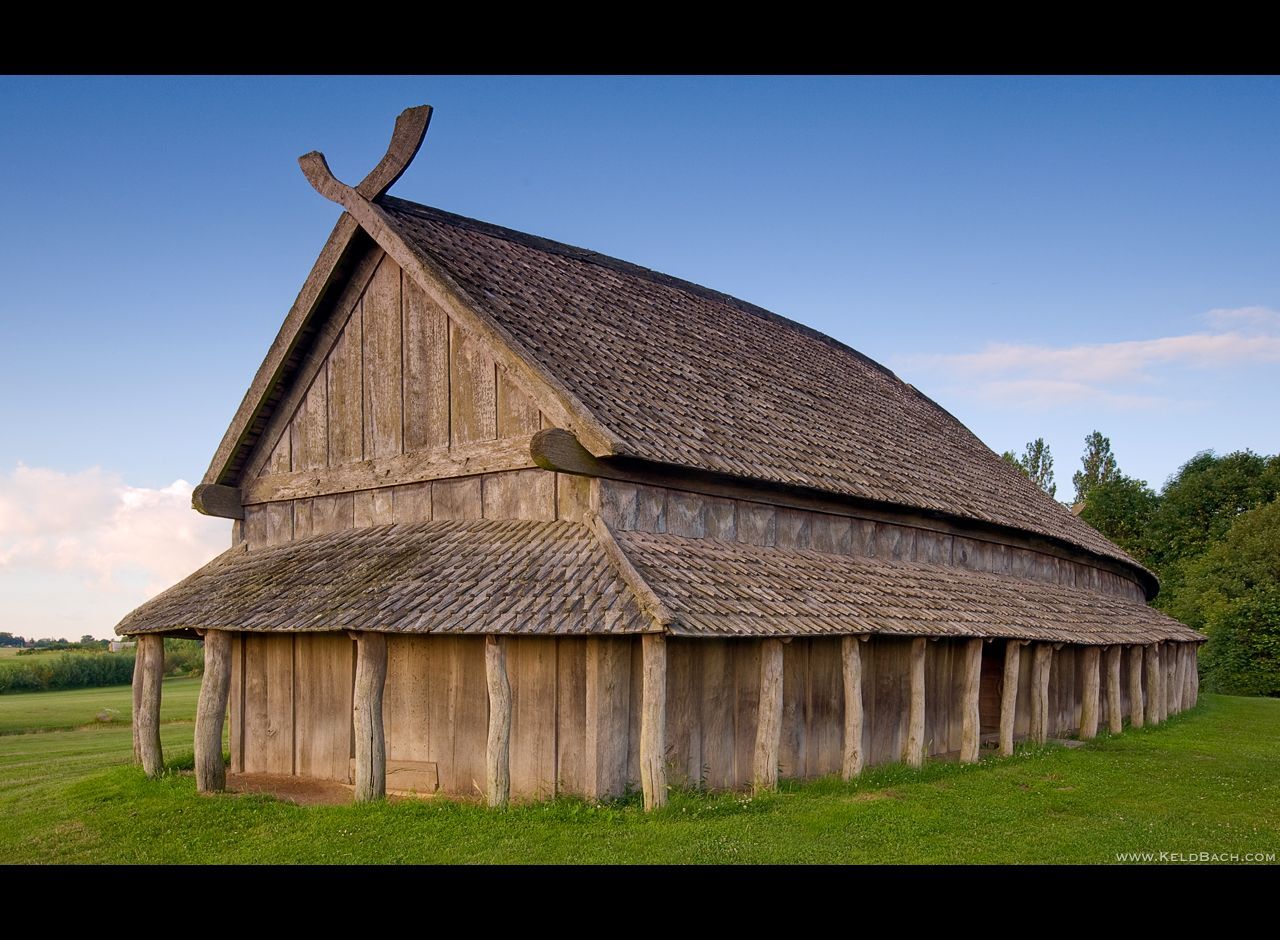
(213, 499)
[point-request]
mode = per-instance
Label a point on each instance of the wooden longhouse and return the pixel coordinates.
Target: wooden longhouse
(514, 518)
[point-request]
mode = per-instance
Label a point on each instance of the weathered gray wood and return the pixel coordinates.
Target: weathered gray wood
(1195, 673)
(1137, 713)
(1115, 719)
(971, 723)
(557, 449)
(1090, 660)
(1040, 670)
(1155, 695)
(344, 391)
(854, 755)
(608, 697)
(913, 750)
(139, 669)
(465, 460)
(649, 601)
(653, 721)
(215, 500)
(520, 494)
(1173, 689)
(211, 711)
(460, 499)
(151, 648)
(473, 409)
(309, 429)
(1009, 696)
(764, 771)
(370, 747)
(498, 748)
(406, 138)
(518, 414)
(383, 364)
(426, 371)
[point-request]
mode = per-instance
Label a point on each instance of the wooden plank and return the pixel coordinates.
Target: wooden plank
(426, 371)
(237, 703)
(792, 759)
(324, 664)
(829, 533)
(374, 507)
(571, 713)
(607, 703)
(618, 505)
(332, 513)
(854, 751)
(383, 362)
(1115, 713)
(757, 523)
(498, 749)
(686, 514)
(746, 684)
(913, 750)
(415, 502)
(468, 703)
(1040, 674)
(211, 711)
(268, 524)
(718, 713)
(147, 717)
(309, 430)
(1169, 659)
(518, 414)
(1137, 712)
(970, 684)
(653, 720)
(302, 517)
(1151, 677)
(768, 717)
(1090, 662)
(573, 497)
(520, 494)
(721, 518)
(793, 528)
(863, 537)
(824, 708)
(345, 384)
(895, 542)
(531, 666)
(473, 413)
(461, 499)
(651, 509)
(1009, 696)
(684, 719)
(281, 459)
(366, 715)
(941, 724)
(268, 704)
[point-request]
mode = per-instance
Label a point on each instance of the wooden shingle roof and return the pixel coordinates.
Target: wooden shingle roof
(683, 375)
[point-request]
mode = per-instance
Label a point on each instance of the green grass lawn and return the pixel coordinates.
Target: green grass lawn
(1207, 781)
(75, 708)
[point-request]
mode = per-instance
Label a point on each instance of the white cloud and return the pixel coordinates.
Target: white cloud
(1116, 374)
(118, 544)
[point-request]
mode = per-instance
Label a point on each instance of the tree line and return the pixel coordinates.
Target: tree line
(1212, 536)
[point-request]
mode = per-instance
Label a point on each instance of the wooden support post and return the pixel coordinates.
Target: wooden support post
(1040, 666)
(138, 663)
(151, 648)
(1115, 720)
(1091, 657)
(211, 712)
(497, 758)
(970, 720)
(1151, 670)
(1009, 695)
(1195, 673)
(913, 750)
(851, 655)
(1136, 711)
(1174, 672)
(653, 721)
(371, 747)
(764, 770)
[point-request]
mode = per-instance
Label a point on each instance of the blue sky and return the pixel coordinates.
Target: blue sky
(1042, 256)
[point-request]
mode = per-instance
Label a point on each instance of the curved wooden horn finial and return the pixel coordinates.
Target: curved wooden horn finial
(406, 139)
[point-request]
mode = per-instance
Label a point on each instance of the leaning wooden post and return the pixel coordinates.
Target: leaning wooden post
(1178, 673)
(913, 751)
(1136, 711)
(970, 719)
(764, 774)
(497, 758)
(211, 712)
(1040, 666)
(151, 648)
(1009, 695)
(1091, 657)
(1168, 675)
(1195, 673)
(851, 657)
(371, 747)
(653, 721)
(1115, 719)
(1151, 669)
(139, 661)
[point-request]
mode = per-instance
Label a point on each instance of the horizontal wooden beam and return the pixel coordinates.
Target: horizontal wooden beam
(437, 464)
(558, 449)
(213, 499)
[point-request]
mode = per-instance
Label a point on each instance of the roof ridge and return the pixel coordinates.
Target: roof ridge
(612, 263)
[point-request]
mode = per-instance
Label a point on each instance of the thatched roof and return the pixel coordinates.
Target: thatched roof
(517, 577)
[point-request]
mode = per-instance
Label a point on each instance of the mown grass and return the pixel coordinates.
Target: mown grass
(74, 708)
(1207, 781)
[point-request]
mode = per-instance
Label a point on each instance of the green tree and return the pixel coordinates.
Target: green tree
(1099, 465)
(1037, 463)
(1121, 509)
(1231, 593)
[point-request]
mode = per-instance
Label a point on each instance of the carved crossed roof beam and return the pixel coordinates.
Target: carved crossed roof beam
(406, 140)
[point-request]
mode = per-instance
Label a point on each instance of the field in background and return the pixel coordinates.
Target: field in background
(75, 708)
(1207, 781)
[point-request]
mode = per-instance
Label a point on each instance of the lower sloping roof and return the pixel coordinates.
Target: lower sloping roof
(718, 588)
(521, 577)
